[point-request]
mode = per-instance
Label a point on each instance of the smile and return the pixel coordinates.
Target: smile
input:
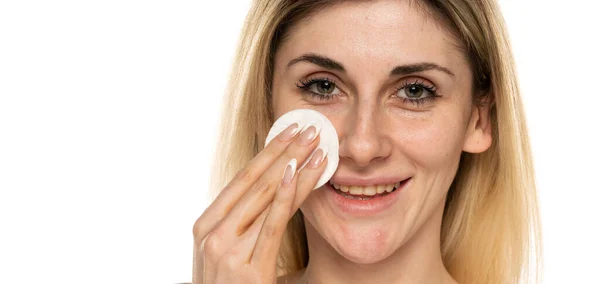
(365, 200)
(365, 192)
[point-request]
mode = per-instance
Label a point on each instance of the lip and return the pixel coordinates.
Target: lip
(363, 208)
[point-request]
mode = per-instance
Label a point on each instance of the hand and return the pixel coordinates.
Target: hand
(237, 238)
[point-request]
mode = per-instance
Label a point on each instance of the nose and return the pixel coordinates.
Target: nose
(364, 138)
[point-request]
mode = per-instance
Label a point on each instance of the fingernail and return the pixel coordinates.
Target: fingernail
(290, 171)
(317, 158)
(290, 132)
(309, 134)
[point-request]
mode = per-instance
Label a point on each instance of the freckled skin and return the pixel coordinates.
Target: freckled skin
(380, 135)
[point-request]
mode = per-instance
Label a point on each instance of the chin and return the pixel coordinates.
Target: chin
(364, 246)
(364, 256)
(358, 239)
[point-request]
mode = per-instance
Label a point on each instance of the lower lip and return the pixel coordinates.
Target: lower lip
(362, 208)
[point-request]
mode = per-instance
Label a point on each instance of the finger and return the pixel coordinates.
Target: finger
(269, 239)
(214, 214)
(309, 176)
(242, 181)
(212, 220)
(261, 193)
(241, 251)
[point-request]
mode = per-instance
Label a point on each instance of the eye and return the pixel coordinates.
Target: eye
(416, 93)
(324, 87)
(413, 91)
(321, 88)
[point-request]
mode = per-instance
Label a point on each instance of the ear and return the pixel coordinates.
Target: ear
(478, 137)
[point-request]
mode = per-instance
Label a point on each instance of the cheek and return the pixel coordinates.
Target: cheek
(431, 142)
(280, 100)
(286, 97)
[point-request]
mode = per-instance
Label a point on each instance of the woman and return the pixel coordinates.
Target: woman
(425, 101)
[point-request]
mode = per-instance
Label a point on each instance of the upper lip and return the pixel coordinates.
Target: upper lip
(357, 181)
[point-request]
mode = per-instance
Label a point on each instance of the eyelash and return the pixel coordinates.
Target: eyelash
(431, 89)
(306, 84)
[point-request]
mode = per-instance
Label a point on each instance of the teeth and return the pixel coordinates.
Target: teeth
(343, 188)
(355, 190)
(389, 187)
(366, 190)
(370, 190)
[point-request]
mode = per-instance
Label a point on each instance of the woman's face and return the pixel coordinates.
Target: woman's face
(398, 91)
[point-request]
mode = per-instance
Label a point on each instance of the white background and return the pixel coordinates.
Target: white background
(108, 114)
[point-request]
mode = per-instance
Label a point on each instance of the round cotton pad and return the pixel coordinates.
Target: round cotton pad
(328, 136)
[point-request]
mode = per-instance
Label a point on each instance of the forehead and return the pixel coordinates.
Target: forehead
(373, 35)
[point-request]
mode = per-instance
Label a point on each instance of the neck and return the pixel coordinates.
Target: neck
(419, 260)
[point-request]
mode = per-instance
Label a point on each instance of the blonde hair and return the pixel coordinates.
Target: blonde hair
(490, 228)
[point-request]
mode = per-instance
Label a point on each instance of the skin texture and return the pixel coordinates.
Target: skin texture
(382, 136)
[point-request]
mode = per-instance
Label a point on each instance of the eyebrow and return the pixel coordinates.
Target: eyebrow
(322, 61)
(331, 64)
(419, 67)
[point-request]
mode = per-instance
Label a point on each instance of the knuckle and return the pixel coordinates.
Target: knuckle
(197, 229)
(212, 246)
(260, 187)
(201, 226)
(270, 230)
(270, 150)
(245, 175)
(287, 156)
(284, 197)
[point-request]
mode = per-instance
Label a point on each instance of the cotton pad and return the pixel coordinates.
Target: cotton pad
(328, 136)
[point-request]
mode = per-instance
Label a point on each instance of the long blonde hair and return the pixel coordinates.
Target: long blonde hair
(490, 228)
